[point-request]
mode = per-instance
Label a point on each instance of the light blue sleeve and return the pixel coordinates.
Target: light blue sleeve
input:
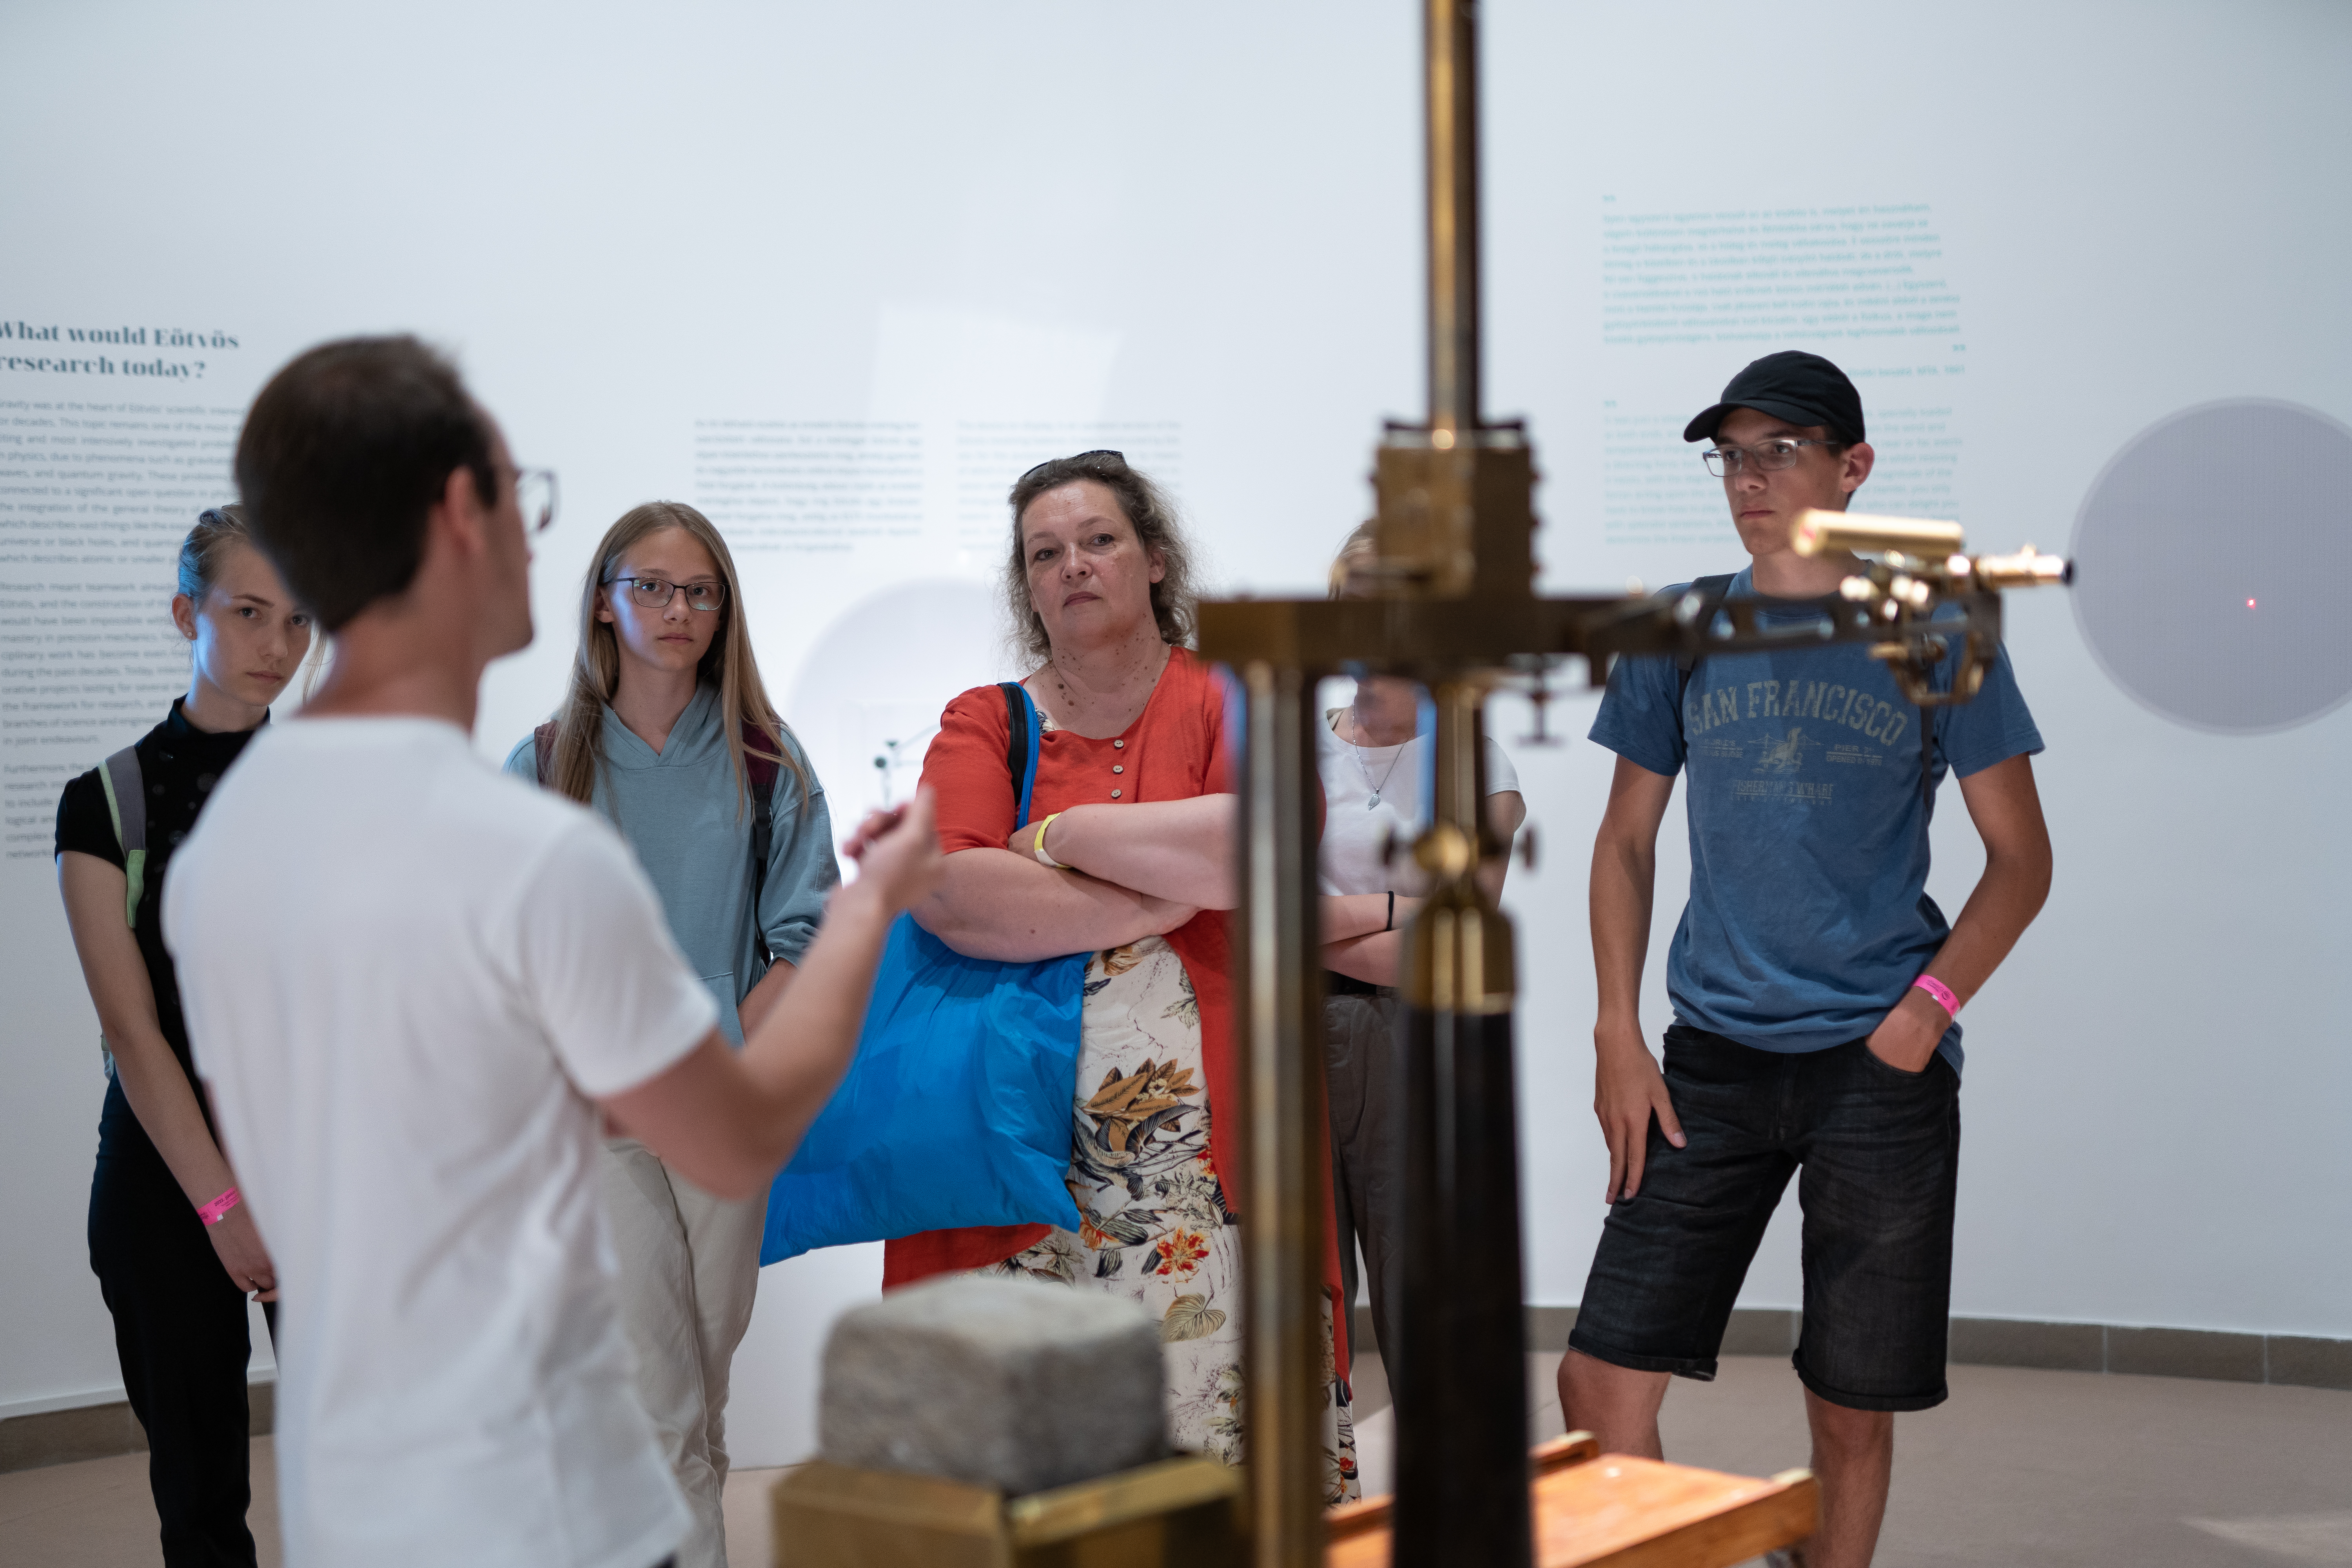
(523, 760)
(801, 866)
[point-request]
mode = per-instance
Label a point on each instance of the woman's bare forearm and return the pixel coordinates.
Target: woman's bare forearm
(1346, 915)
(1374, 960)
(162, 1097)
(1358, 938)
(993, 903)
(153, 1080)
(1180, 851)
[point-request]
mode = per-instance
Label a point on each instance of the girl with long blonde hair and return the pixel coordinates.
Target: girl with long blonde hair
(666, 730)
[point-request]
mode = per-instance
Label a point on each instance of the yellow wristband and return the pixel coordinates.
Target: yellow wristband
(1037, 846)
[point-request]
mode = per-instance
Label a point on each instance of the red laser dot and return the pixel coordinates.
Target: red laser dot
(2250, 604)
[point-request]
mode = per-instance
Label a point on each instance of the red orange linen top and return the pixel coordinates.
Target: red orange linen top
(1174, 751)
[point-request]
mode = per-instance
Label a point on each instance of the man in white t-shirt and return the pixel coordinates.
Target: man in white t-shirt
(1375, 767)
(416, 989)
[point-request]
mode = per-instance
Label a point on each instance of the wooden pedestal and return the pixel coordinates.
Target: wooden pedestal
(1184, 1512)
(1592, 1510)
(1597, 1511)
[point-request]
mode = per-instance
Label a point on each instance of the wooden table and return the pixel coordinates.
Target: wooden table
(1607, 1511)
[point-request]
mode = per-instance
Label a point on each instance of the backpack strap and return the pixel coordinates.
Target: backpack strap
(1711, 591)
(1927, 764)
(126, 802)
(1022, 734)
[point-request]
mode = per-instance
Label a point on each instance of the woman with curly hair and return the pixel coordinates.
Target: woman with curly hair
(1126, 854)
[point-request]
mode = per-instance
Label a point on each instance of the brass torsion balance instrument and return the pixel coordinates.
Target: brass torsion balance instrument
(1449, 601)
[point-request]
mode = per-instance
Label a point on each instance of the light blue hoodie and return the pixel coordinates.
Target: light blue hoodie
(679, 809)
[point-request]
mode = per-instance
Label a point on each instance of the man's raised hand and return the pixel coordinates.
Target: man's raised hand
(898, 851)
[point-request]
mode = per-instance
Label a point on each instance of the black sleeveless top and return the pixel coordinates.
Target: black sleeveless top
(179, 764)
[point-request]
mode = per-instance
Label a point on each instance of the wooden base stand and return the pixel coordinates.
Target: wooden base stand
(1592, 1510)
(1184, 1512)
(1597, 1511)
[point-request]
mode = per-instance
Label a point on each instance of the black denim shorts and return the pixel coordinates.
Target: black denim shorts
(1879, 1149)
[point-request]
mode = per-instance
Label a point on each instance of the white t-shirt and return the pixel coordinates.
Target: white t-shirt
(1355, 823)
(405, 976)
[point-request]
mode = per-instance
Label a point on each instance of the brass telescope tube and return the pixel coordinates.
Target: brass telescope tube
(1460, 1376)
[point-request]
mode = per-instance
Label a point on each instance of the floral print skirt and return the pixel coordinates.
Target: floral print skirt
(1153, 1223)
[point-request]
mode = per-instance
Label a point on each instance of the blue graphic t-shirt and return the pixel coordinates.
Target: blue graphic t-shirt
(1809, 915)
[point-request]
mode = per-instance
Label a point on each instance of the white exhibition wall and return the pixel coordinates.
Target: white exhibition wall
(837, 274)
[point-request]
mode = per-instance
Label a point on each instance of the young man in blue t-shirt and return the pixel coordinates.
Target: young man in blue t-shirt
(1813, 982)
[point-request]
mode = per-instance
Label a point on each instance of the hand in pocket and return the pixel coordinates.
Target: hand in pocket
(1906, 1039)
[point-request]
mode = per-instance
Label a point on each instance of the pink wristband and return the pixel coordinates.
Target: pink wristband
(218, 1210)
(1940, 992)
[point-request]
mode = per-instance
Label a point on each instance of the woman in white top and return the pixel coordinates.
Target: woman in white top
(1375, 768)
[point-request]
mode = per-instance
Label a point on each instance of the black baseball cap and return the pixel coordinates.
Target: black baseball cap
(1802, 388)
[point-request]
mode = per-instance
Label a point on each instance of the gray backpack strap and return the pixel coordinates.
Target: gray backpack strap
(1928, 757)
(1711, 591)
(126, 801)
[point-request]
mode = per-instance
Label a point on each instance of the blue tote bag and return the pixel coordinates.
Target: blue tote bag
(956, 1111)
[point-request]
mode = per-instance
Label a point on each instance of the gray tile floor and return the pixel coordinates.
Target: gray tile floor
(2052, 1469)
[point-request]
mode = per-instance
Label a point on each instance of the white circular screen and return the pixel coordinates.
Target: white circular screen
(2212, 558)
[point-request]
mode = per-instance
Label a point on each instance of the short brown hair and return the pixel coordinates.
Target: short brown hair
(342, 457)
(1147, 509)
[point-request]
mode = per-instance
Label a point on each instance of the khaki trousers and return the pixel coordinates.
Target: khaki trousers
(690, 1266)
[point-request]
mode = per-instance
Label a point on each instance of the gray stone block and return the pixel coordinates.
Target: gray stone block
(998, 1382)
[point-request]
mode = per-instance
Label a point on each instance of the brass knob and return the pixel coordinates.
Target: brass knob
(1446, 852)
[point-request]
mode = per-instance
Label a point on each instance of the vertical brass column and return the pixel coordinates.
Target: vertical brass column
(1455, 522)
(1278, 1023)
(1460, 1374)
(1450, 40)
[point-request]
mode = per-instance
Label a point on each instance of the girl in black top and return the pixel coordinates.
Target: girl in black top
(176, 1256)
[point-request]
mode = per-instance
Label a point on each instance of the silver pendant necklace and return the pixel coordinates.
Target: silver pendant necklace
(1372, 802)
